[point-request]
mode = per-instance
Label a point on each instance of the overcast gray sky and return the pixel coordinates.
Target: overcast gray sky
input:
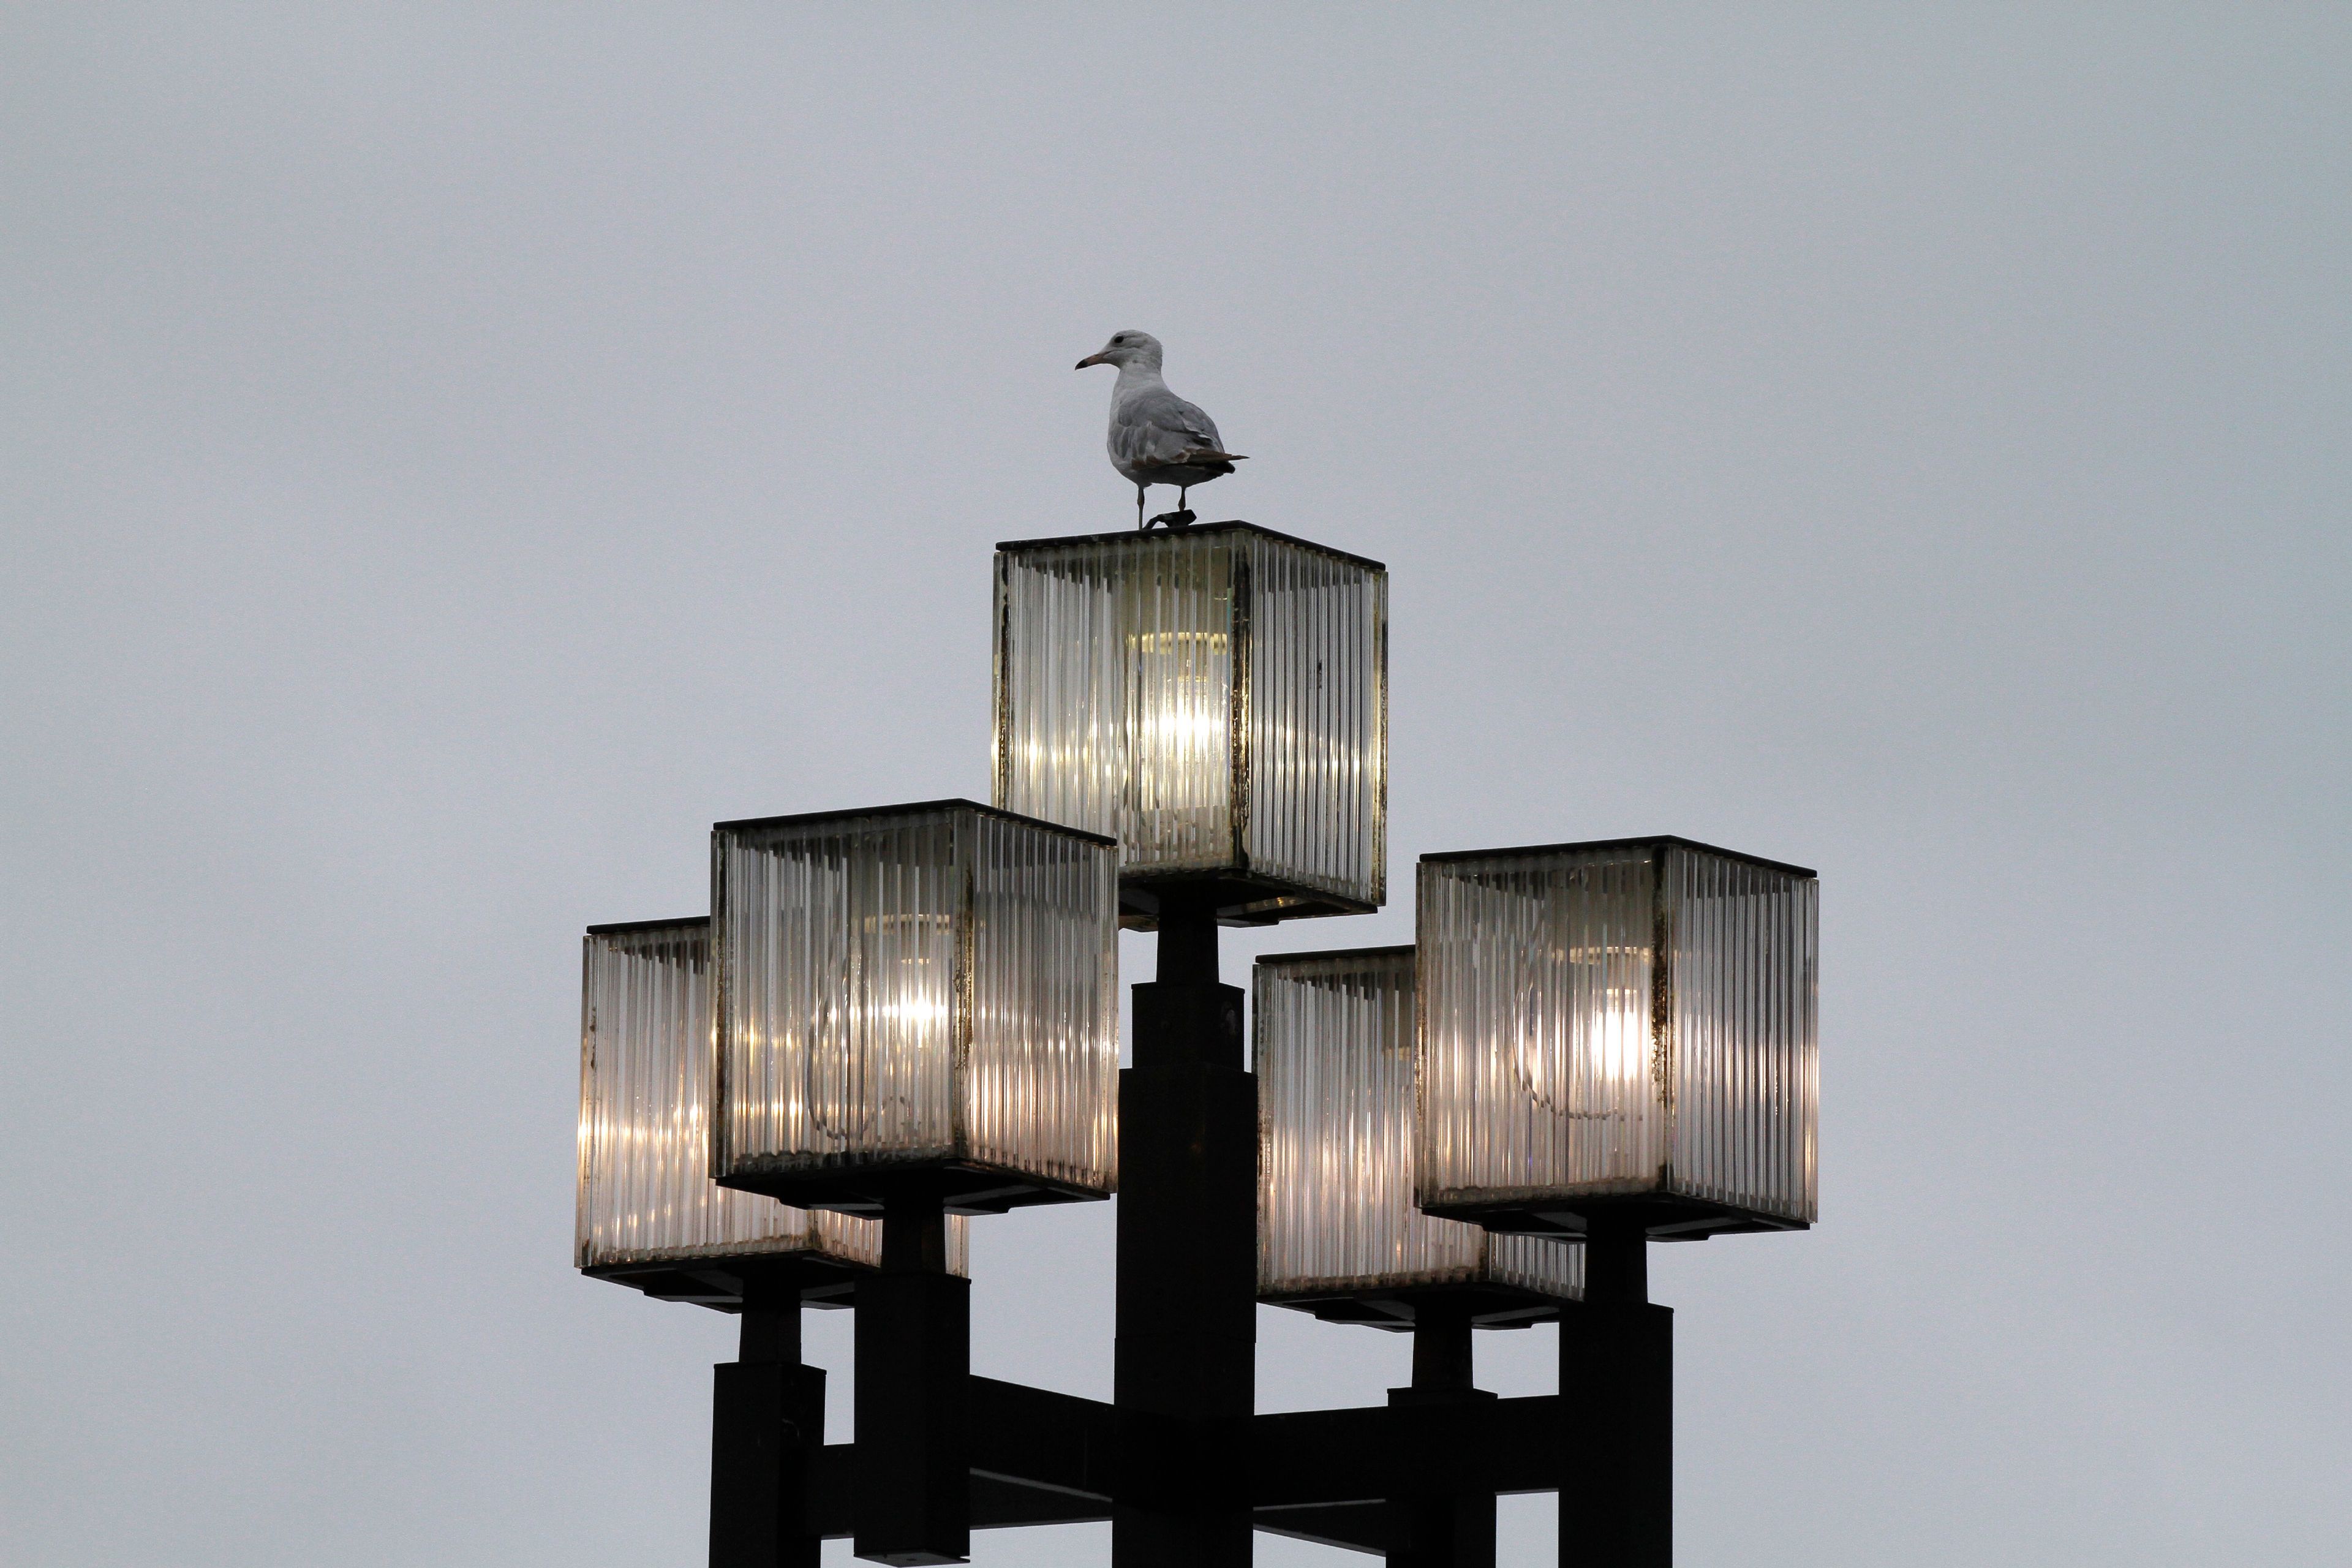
(455, 453)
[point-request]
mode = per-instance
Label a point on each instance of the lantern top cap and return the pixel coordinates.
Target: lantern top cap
(1022, 546)
(622, 928)
(911, 809)
(1659, 841)
(1334, 955)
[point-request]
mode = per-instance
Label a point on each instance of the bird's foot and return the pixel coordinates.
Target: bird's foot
(1185, 518)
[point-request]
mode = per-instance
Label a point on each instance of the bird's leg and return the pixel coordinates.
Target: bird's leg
(1139, 509)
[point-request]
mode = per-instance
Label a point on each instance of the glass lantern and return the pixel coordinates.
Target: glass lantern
(1337, 1232)
(916, 998)
(1215, 699)
(1623, 1029)
(649, 1214)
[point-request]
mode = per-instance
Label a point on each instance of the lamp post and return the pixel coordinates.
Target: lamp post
(898, 1017)
(1340, 1236)
(1617, 1043)
(914, 1009)
(650, 1217)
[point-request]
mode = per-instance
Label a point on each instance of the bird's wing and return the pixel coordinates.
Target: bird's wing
(1157, 428)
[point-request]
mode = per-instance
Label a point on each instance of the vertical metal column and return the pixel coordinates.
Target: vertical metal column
(1453, 1529)
(1617, 1388)
(913, 1394)
(767, 1420)
(1185, 1377)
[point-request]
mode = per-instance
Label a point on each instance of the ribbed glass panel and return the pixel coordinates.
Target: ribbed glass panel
(1319, 721)
(840, 988)
(1040, 1091)
(1745, 968)
(1060, 735)
(1539, 1263)
(1215, 699)
(1538, 1073)
(1559, 1059)
(1334, 1053)
(1115, 694)
(645, 1093)
(916, 986)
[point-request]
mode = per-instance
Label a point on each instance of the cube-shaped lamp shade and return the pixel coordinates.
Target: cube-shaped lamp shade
(1621, 1027)
(915, 998)
(1337, 1232)
(649, 1214)
(1215, 699)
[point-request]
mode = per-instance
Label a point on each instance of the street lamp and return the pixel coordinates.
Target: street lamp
(1618, 1033)
(650, 1217)
(1617, 1043)
(896, 1016)
(916, 1009)
(1215, 699)
(1338, 1234)
(914, 1000)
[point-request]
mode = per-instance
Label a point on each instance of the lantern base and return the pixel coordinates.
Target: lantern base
(1664, 1216)
(721, 1283)
(1400, 1308)
(1239, 898)
(962, 1186)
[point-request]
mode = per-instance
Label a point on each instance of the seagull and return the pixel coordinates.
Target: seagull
(1157, 438)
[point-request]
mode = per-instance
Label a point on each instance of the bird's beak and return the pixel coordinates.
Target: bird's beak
(1090, 358)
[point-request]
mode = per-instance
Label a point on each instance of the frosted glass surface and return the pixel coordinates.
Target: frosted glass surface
(1214, 699)
(1334, 1038)
(1745, 958)
(1617, 1019)
(914, 987)
(1039, 1088)
(1318, 761)
(646, 1094)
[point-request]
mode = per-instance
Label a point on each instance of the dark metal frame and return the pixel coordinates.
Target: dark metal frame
(725, 1283)
(1232, 525)
(1653, 841)
(908, 809)
(1242, 898)
(966, 1187)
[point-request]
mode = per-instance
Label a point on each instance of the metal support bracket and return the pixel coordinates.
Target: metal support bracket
(1040, 1458)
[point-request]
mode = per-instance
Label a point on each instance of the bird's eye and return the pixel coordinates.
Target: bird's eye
(1120, 338)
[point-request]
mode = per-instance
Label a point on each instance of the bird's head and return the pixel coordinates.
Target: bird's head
(1125, 349)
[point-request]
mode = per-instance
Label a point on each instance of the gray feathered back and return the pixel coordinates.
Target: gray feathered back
(1156, 429)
